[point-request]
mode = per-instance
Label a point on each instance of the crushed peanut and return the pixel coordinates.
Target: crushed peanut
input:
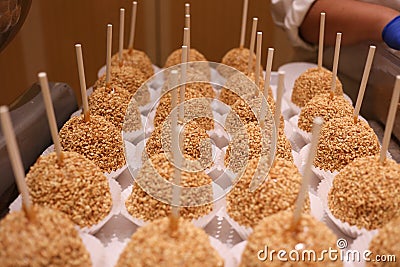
(77, 187)
(325, 107)
(312, 82)
(387, 242)
(49, 240)
(136, 59)
(341, 141)
(196, 108)
(110, 103)
(175, 58)
(196, 143)
(153, 175)
(276, 232)
(98, 140)
(237, 86)
(249, 143)
(278, 192)
(237, 58)
(366, 193)
(153, 245)
(131, 79)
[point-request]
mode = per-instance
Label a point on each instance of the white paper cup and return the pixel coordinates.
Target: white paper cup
(115, 190)
(95, 248)
(350, 230)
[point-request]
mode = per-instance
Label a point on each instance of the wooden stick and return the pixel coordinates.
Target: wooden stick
(16, 162)
(252, 42)
(44, 84)
(321, 39)
(121, 33)
(267, 83)
(133, 25)
(108, 56)
(364, 80)
(187, 25)
(390, 119)
(316, 129)
(177, 159)
(268, 71)
(278, 105)
(258, 61)
(183, 81)
(186, 39)
(173, 82)
(82, 81)
(335, 62)
(244, 18)
(187, 9)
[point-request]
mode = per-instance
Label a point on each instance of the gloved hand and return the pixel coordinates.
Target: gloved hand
(391, 33)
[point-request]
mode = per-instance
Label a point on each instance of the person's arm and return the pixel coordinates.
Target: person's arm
(358, 21)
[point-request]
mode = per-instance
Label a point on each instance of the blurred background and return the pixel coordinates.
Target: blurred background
(46, 39)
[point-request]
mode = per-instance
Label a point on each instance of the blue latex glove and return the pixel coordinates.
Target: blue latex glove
(391, 33)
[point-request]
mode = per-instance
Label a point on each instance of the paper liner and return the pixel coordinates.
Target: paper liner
(113, 250)
(294, 109)
(287, 109)
(350, 230)
(361, 244)
(305, 136)
(217, 78)
(242, 231)
(298, 161)
(348, 99)
(154, 96)
(238, 249)
(223, 251)
(292, 72)
(321, 174)
(219, 107)
(200, 222)
(237, 252)
(115, 190)
(48, 150)
(219, 136)
(293, 134)
(95, 249)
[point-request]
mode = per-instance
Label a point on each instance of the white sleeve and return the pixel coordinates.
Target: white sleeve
(289, 14)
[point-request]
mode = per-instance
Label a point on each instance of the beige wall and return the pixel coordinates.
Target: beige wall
(46, 41)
